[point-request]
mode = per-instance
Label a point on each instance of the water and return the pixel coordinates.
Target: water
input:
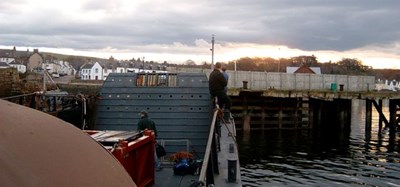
(303, 158)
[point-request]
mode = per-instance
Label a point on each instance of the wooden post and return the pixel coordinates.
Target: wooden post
(280, 115)
(342, 117)
(246, 123)
(246, 116)
(262, 114)
(392, 113)
(297, 110)
(380, 104)
(368, 117)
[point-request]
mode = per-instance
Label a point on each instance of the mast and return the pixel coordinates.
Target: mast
(212, 52)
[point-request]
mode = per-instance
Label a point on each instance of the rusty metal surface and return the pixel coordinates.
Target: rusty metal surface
(37, 149)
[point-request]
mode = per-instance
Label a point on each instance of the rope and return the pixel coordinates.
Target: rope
(226, 126)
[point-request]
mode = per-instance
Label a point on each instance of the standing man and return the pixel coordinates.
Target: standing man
(145, 123)
(217, 84)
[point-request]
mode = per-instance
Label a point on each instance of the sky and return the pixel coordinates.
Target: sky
(179, 30)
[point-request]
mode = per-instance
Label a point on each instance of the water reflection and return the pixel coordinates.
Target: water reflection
(324, 158)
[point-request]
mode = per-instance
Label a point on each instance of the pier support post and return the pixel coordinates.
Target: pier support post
(246, 123)
(368, 117)
(392, 113)
(380, 117)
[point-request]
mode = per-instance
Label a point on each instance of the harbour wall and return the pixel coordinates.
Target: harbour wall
(295, 81)
(290, 81)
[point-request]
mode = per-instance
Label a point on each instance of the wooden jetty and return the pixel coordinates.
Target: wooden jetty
(285, 109)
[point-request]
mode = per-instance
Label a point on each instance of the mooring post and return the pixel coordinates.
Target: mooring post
(342, 117)
(246, 116)
(368, 117)
(380, 117)
(392, 113)
(246, 123)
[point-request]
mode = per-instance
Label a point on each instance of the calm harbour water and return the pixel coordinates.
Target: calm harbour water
(302, 158)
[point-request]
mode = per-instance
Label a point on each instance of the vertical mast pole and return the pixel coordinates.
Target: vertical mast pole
(212, 52)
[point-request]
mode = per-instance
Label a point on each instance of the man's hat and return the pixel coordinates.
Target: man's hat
(143, 112)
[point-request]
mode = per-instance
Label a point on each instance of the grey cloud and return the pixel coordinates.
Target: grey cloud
(306, 24)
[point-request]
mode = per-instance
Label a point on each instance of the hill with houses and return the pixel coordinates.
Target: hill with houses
(85, 67)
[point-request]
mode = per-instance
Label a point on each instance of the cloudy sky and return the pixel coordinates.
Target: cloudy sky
(178, 30)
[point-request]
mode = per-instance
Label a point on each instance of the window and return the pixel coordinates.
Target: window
(96, 70)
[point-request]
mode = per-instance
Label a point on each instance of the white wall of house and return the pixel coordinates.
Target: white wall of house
(66, 68)
(120, 70)
(6, 59)
(97, 72)
(106, 72)
(94, 73)
(132, 70)
(51, 67)
(85, 73)
(20, 67)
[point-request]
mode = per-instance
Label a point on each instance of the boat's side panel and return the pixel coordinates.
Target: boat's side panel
(179, 104)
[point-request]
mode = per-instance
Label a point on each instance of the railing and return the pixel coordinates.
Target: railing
(206, 174)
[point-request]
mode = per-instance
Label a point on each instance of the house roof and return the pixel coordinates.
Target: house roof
(14, 54)
(304, 69)
(5, 53)
(3, 64)
(87, 66)
(15, 62)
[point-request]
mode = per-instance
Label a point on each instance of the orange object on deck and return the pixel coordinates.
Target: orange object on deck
(135, 154)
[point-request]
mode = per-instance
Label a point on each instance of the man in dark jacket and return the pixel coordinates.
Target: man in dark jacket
(217, 83)
(146, 123)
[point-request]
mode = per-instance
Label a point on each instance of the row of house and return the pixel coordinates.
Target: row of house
(26, 61)
(96, 71)
(392, 85)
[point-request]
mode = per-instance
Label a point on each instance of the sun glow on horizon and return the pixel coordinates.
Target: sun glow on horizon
(229, 52)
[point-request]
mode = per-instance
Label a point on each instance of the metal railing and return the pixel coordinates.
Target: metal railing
(207, 170)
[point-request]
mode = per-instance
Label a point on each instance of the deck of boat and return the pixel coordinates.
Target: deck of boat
(166, 177)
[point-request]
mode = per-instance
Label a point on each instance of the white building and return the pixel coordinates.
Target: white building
(65, 68)
(51, 67)
(121, 70)
(19, 66)
(7, 60)
(92, 72)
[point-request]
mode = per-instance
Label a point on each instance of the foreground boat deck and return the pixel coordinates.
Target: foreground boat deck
(166, 177)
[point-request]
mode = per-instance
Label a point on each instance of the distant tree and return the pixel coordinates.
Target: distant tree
(305, 60)
(204, 65)
(246, 64)
(77, 61)
(351, 64)
(190, 63)
(111, 60)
